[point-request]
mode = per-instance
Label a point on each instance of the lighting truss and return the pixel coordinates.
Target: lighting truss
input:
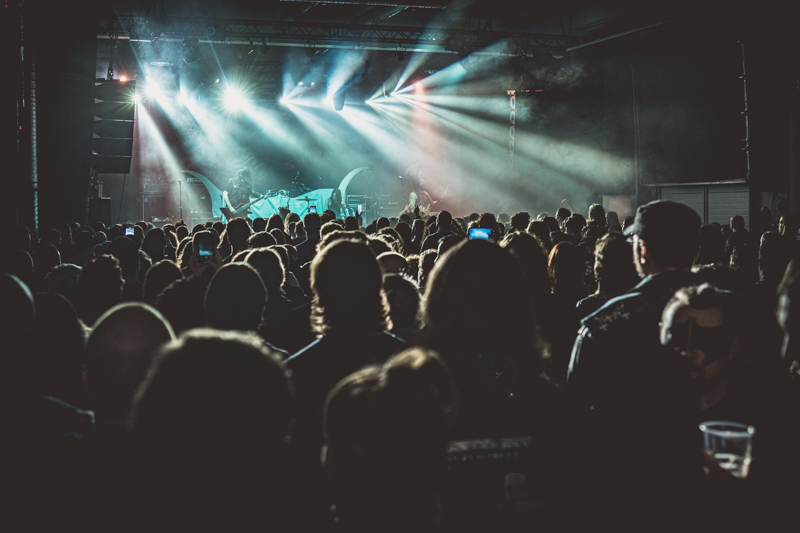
(363, 36)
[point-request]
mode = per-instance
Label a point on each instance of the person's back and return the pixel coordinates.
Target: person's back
(385, 431)
(99, 287)
(237, 231)
(235, 298)
(119, 351)
(350, 317)
(209, 431)
(443, 223)
(614, 272)
(84, 248)
(739, 234)
(509, 414)
(619, 373)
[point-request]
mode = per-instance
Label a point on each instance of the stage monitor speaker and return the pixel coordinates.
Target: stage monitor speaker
(114, 112)
(100, 210)
(198, 198)
(155, 206)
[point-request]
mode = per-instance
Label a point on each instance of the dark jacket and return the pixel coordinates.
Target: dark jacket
(618, 345)
(633, 402)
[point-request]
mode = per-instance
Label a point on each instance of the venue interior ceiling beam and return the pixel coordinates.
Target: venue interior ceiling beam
(304, 34)
(435, 4)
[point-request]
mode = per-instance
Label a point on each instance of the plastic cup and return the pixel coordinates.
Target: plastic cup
(731, 444)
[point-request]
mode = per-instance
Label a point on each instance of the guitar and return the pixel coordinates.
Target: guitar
(229, 213)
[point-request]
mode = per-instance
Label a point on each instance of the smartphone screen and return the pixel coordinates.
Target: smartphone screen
(360, 209)
(129, 231)
(203, 250)
(312, 209)
(481, 233)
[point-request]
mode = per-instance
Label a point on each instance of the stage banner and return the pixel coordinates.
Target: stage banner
(300, 205)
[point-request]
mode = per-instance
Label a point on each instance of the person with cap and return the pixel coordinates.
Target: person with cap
(633, 396)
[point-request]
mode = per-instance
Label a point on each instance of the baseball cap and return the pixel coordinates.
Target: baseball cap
(664, 220)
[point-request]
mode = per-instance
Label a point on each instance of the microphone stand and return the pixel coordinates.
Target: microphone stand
(180, 196)
(377, 196)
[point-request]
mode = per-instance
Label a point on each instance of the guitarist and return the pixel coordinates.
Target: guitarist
(240, 194)
(418, 195)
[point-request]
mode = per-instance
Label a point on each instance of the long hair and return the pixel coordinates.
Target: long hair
(243, 179)
(348, 291)
(477, 312)
(566, 269)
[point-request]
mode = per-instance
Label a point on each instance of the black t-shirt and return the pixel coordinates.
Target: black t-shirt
(239, 197)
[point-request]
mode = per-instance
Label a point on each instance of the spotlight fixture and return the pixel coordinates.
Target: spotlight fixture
(311, 52)
(300, 84)
(252, 48)
(401, 55)
(234, 98)
(418, 86)
(338, 100)
(123, 79)
(191, 49)
(216, 80)
(458, 45)
(152, 90)
(264, 48)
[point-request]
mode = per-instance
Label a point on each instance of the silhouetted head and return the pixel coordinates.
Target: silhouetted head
(404, 301)
(519, 221)
(158, 277)
(531, 257)
(613, 266)
(99, 287)
(312, 223)
(566, 265)
(182, 303)
(235, 298)
(666, 235)
(209, 424)
(268, 264)
(597, 215)
(392, 263)
(119, 351)
(386, 440)
(347, 283)
(238, 231)
(126, 250)
(63, 279)
(153, 244)
(275, 222)
(476, 305)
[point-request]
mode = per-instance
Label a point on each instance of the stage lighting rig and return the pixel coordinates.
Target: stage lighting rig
(234, 98)
(458, 45)
(337, 100)
(152, 91)
(191, 49)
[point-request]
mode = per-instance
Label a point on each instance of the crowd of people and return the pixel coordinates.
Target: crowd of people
(315, 374)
